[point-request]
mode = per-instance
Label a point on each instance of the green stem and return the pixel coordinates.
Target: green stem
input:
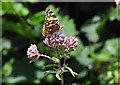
(59, 63)
(62, 79)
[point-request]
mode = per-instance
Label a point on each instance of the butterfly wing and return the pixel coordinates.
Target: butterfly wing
(51, 23)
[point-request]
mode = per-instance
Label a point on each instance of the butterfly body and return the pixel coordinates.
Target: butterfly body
(51, 24)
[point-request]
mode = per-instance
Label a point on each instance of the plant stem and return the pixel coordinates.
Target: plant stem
(59, 63)
(64, 62)
(62, 79)
(47, 57)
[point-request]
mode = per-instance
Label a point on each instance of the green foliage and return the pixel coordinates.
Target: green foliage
(40, 63)
(114, 13)
(15, 79)
(13, 8)
(50, 78)
(90, 28)
(15, 27)
(69, 26)
(51, 65)
(82, 74)
(71, 71)
(49, 71)
(6, 46)
(36, 18)
(6, 8)
(95, 59)
(55, 59)
(111, 47)
(7, 69)
(84, 57)
(58, 74)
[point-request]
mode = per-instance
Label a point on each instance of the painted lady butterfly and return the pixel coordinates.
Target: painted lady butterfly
(51, 24)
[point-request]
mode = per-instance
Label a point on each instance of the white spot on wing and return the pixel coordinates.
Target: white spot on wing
(52, 14)
(50, 10)
(48, 14)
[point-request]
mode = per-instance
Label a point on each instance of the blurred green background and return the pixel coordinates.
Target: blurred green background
(95, 25)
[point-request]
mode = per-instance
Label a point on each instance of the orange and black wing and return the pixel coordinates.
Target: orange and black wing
(51, 23)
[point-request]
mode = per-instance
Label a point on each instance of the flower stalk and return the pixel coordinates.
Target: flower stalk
(59, 63)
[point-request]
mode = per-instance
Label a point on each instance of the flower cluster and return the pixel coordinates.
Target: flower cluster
(32, 51)
(71, 43)
(59, 40)
(55, 40)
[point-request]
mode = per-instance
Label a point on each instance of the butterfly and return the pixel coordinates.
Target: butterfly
(51, 23)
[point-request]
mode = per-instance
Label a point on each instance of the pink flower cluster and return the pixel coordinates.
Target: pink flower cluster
(55, 41)
(33, 54)
(59, 40)
(71, 43)
(32, 51)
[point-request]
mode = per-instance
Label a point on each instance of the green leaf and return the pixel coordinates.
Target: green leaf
(5, 45)
(48, 72)
(55, 59)
(90, 31)
(9, 7)
(114, 13)
(39, 75)
(101, 25)
(84, 57)
(41, 47)
(72, 72)
(37, 30)
(69, 28)
(7, 68)
(82, 74)
(103, 57)
(20, 9)
(51, 65)
(36, 18)
(108, 52)
(93, 48)
(96, 19)
(16, 79)
(6, 8)
(50, 78)
(60, 56)
(111, 46)
(40, 63)
(57, 74)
